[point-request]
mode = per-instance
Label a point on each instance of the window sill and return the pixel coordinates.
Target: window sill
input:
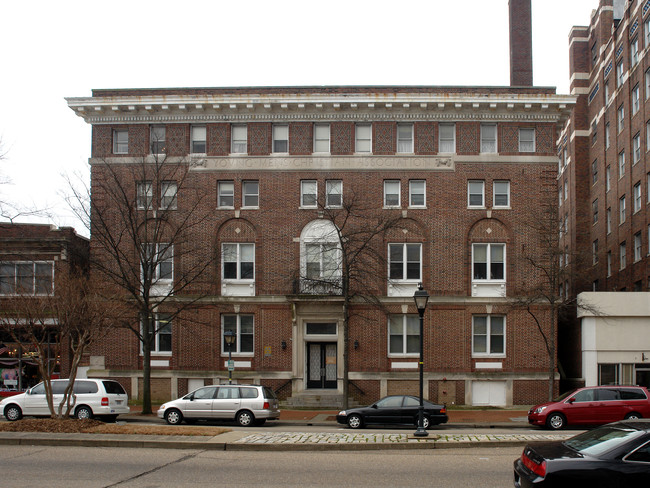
(308, 208)
(392, 207)
(495, 207)
(397, 355)
(225, 208)
(475, 207)
(250, 208)
(417, 207)
(488, 356)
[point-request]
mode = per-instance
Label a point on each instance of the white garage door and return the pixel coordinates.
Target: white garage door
(489, 393)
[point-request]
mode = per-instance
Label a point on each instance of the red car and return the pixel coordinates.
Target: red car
(593, 405)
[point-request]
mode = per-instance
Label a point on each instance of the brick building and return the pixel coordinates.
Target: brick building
(457, 169)
(604, 177)
(33, 258)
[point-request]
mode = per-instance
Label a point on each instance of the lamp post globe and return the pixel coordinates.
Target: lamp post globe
(421, 297)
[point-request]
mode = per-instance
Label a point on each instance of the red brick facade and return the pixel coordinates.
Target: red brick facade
(443, 223)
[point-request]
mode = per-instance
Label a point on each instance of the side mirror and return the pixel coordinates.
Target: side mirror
(374, 405)
(571, 400)
(28, 391)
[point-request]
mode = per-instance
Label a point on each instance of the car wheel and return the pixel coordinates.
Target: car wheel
(83, 413)
(173, 417)
(245, 418)
(355, 421)
(13, 413)
(633, 416)
(555, 421)
(426, 423)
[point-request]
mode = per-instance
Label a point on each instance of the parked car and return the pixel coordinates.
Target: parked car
(105, 399)
(394, 409)
(616, 454)
(593, 405)
(246, 404)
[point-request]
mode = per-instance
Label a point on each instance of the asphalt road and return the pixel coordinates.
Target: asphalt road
(55, 467)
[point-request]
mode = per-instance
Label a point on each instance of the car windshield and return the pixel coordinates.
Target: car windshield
(564, 395)
(598, 441)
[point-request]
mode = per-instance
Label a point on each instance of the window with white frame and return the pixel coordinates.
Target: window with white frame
(476, 193)
(609, 263)
(620, 73)
(488, 138)
(158, 263)
(238, 261)
(404, 335)
(242, 325)
(621, 118)
(606, 93)
(323, 261)
(363, 138)
(488, 262)
(647, 188)
(239, 139)
(280, 138)
(621, 164)
(447, 138)
(168, 193)
(501, 193)
(157, 141)
(621, 210)
(162, 334)
(594, 132)
(559, 196)
(637, 197)
(646, 31)
(404, 138)
(647, 83)
(638, 245)
(635, 99)
(634, 52)
(226, 194)
(26, 277)
(417, 191)
(120, 141)
(608, 178)
(594, 252)
(321, 138)
(594, 172)
(405, 262)
(250, 194)
(622, 255)
(199, 139)
(636, 148)
(392, 193)
(488, 335)
(144, 195)
(594, 211)
(308, 193)
(609, 220)
(607, 139)
(334, 193)
(526, 140)
(648, 234)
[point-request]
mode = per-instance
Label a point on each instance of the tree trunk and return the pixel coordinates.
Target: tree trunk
(147, 333)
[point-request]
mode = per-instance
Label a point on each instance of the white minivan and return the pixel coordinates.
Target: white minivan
(105, 399)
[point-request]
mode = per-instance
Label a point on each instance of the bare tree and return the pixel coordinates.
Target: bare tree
(50, 324)
(348, 257)
(551, 270)
(142, 242)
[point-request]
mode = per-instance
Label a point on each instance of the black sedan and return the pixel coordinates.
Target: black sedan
(614, 455)
(395, 409)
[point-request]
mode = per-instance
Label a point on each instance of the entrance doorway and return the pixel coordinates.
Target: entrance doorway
(321, 365)
(643, 375)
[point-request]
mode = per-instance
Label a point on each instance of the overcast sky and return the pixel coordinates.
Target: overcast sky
(52, 50)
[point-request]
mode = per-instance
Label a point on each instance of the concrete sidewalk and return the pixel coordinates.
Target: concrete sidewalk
(340, 438)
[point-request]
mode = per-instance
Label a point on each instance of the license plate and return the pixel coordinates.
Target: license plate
(118, 402)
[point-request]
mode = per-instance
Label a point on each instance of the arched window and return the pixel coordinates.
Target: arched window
(320, 258)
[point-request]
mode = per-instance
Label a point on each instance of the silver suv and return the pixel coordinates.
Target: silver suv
(246, 404)
(91, 398)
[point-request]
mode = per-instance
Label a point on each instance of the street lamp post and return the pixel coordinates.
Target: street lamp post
(421, 298)
(229, 336)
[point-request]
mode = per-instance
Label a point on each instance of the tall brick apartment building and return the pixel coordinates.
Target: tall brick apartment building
(604, 182)
(460, 168)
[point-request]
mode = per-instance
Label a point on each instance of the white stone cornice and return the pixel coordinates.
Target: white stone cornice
(317, 106)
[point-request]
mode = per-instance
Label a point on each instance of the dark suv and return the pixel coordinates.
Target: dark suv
(592, 405)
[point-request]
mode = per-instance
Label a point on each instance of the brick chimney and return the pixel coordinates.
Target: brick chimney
(521, 43)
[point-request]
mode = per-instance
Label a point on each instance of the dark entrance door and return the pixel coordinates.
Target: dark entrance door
(321, 365)
(643, 375)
